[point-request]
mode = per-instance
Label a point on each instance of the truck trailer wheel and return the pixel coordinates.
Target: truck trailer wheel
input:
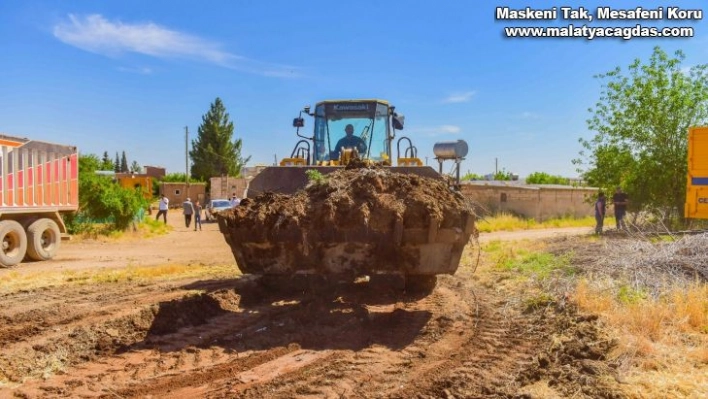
(14, 243)
(43, 239)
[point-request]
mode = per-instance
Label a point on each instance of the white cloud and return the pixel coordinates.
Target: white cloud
(452, 129)
(138, 70)
(435, 131)
(530, 115)
(459, 97)
(96, 34)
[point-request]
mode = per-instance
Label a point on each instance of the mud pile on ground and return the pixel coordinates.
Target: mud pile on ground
(575, 361)
(363, 219)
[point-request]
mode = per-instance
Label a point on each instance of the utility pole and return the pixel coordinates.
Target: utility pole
(186, 158)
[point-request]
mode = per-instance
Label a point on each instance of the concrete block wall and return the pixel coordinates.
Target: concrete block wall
(532, 201)
(179, 192)
(224, 187)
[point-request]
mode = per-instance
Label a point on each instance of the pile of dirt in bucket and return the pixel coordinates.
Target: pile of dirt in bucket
(358, 219)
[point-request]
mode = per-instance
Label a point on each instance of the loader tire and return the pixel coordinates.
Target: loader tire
(43, 239)
(14, 243)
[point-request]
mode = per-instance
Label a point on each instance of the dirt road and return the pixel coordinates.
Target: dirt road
(225, 338)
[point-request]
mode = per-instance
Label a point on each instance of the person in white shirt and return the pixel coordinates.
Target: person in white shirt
(163, 207)
(235, 201)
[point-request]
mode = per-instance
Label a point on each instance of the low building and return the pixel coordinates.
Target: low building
(139, 181)
(177, 193)
(156, 172)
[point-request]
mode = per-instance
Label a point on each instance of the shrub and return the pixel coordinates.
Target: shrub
(101, 199)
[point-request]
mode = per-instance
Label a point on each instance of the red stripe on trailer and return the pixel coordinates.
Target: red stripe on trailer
(74, 159)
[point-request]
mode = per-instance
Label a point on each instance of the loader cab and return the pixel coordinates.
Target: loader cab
(372, 123)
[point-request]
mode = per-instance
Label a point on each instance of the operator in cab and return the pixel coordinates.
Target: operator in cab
(350, 141)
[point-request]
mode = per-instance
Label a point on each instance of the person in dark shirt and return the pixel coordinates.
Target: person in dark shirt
(188, 210)
(350, 141)
(197, 216)
(600, 208)
(620, 200)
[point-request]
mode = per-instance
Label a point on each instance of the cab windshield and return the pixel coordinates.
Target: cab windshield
(369, 130)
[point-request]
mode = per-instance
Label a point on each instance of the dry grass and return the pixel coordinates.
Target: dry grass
(654, 296)
(651, 296)
(149, 227)
(14, 281)
(508, 222)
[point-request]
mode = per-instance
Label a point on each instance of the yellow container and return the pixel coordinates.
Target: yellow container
(697, 182)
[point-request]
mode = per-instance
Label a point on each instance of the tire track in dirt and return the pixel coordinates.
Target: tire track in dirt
(232, 338)
(477, 347)
(24, 316)
(71, 325)
(304, 352)
(350, 343)
(233, 342)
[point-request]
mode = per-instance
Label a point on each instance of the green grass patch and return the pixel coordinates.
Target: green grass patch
(527, 259)
(539, 301)
(315, 176)
(540, 265)
(499, 252)
(148, 227)
(662, 238)
(152, 227)
(629, 296)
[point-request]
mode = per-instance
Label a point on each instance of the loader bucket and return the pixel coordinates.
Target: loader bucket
(290, 179)
(365, 221)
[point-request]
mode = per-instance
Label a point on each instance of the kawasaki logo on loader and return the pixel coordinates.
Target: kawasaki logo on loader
(703, 200)
(350, 107)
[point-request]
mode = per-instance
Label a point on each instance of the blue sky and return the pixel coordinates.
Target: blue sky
(130, 75)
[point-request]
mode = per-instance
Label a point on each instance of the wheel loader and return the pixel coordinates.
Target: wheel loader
(342, 206)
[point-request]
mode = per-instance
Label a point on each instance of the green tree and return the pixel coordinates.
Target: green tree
(471, 176)
(101, 198)
(641, 122)
(545, 178)
(124, 164)
(135, 167)
(503, 175)
(214, 152)
(179, 178)
(116, 164)
(106, 162)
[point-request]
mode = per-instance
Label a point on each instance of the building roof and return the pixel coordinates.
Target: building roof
(522, 185)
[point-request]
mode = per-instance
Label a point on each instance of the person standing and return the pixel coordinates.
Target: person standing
(600, 210)
(620, 200)
(162, 208)
(235, 201)
(188, 210)
(197, 216)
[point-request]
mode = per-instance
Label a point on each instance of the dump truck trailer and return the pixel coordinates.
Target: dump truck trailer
(39, 182)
